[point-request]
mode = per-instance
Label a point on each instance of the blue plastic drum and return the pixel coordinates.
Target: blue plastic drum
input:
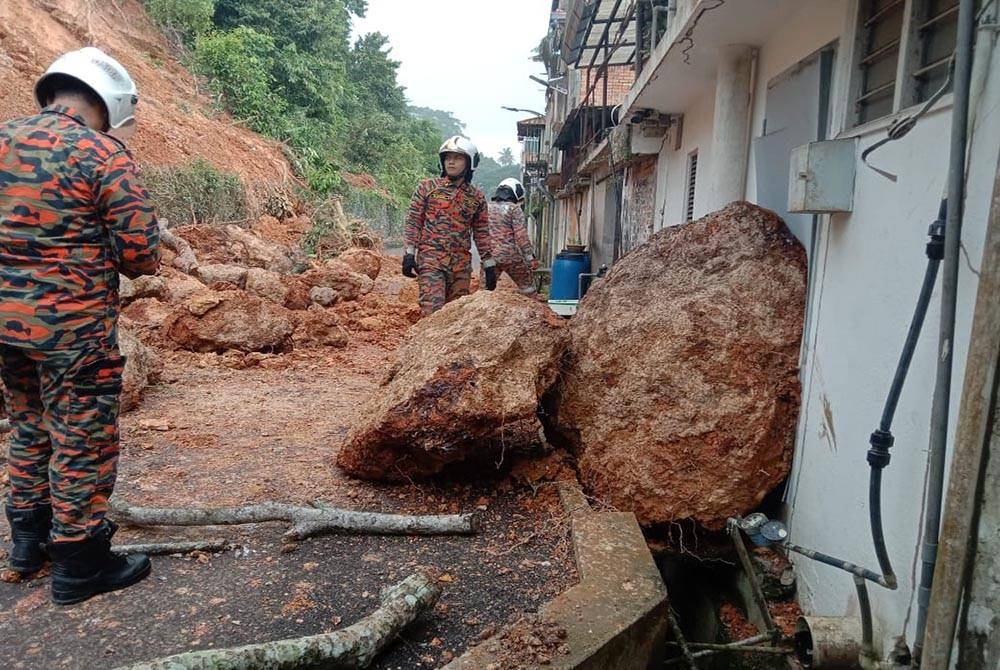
(566, 271)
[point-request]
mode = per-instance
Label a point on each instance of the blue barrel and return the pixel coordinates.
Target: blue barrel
(566, 271)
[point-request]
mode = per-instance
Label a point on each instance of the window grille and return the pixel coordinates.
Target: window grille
(692, 178)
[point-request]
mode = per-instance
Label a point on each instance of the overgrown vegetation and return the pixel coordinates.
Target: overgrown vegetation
(197, 192)
(288, 69)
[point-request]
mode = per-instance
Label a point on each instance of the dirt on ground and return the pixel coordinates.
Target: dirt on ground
(234, 427)
(213, 436)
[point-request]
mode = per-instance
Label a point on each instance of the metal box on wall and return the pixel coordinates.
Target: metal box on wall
(821, 176)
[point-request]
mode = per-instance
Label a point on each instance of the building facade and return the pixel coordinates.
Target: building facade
(723, 91)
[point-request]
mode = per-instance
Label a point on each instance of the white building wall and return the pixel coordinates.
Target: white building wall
(672, 166)
(867, 273)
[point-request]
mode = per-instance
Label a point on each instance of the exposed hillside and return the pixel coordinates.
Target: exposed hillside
(177, 122)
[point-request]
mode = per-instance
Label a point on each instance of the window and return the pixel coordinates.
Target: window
(692, 178)
(880, 29)
(920, 32)
(935, 28)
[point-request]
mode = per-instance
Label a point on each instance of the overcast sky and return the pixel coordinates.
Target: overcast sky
(467, 57)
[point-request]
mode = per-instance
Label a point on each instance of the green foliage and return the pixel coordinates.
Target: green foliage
(288, 69)
(491, 173)
(184, 19)
(239, 63)
(197, 192)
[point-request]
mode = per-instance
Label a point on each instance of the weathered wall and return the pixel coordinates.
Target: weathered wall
(640, 203)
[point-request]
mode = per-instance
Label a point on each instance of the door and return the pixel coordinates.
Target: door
(796, 113)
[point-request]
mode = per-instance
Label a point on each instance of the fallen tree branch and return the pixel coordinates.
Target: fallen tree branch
(306, 521)
(356, 646)
(185, 261)
(162, 548)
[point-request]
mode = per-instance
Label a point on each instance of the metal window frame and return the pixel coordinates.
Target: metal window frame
(863, 59)
(921, 27)
(690, 189)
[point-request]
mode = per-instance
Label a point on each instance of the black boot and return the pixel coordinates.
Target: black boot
(83, 569)
(29, 531)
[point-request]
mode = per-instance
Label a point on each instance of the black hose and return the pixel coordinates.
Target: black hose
(878, 537)
(882, 439)
(934, 251)
(865, 607)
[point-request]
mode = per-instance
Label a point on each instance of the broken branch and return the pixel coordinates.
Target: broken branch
(306, 521)
(161, 548)
(353, 647)
(186, 261)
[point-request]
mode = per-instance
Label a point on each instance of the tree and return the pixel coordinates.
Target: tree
(445, 122)
(491, 173)
(506, 158)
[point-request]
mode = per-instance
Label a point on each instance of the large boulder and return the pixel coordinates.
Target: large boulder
(466, 387)
(681, 390)
(221, 320)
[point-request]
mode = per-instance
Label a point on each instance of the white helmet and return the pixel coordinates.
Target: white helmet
(101, 73)
(515, 187)
(460, 145)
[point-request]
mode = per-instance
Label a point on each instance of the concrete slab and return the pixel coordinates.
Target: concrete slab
(616, 617)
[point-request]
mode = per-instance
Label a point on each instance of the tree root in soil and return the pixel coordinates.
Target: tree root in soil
(306, 521)
(356, 646)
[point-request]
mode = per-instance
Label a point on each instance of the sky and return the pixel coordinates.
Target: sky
(467, 57)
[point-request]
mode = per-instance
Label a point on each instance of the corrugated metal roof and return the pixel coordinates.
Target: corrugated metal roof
(599, 31)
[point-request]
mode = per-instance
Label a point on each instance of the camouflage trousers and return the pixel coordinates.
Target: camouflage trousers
(438, 286)
(522, 275)
(63, 451)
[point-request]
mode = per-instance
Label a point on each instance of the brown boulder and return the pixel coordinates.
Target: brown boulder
(142, 368)
(466, 387)
(681, 391)
(337, 276)
(220, 273)
(221, 320)
(318, 326)
(362, 261)
(266, 284)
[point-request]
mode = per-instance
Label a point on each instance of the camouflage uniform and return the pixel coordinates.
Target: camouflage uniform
(443, 217)
(511, 246)
(73, 214)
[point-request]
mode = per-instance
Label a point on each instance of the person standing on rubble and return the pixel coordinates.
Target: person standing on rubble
(73, 215)
(509, 235)
(444, 215)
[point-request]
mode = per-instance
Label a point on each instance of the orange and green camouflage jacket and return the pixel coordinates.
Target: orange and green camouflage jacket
(442, 219)
(508, 233)
(73, 214)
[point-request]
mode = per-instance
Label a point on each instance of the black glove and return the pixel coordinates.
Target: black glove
(409, 265)
(491, 277)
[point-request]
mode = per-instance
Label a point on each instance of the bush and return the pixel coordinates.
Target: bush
(238, 64)
(183, 19)
(197, 192)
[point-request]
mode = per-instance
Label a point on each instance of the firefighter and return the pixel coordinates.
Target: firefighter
(511, 246)
(73, 215)
(444, 215)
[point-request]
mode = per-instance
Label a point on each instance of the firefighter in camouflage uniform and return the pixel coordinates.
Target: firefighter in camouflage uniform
(511, 246)
(73, 215)
(444, 215)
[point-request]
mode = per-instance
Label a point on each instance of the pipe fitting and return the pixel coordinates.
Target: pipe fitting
(828, 642)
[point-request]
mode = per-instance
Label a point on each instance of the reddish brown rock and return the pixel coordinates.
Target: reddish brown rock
(362, 261)
(466, 387)
(345, 284)
(681, 393)
(318, 326)
(221, 320)
(142, 368)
